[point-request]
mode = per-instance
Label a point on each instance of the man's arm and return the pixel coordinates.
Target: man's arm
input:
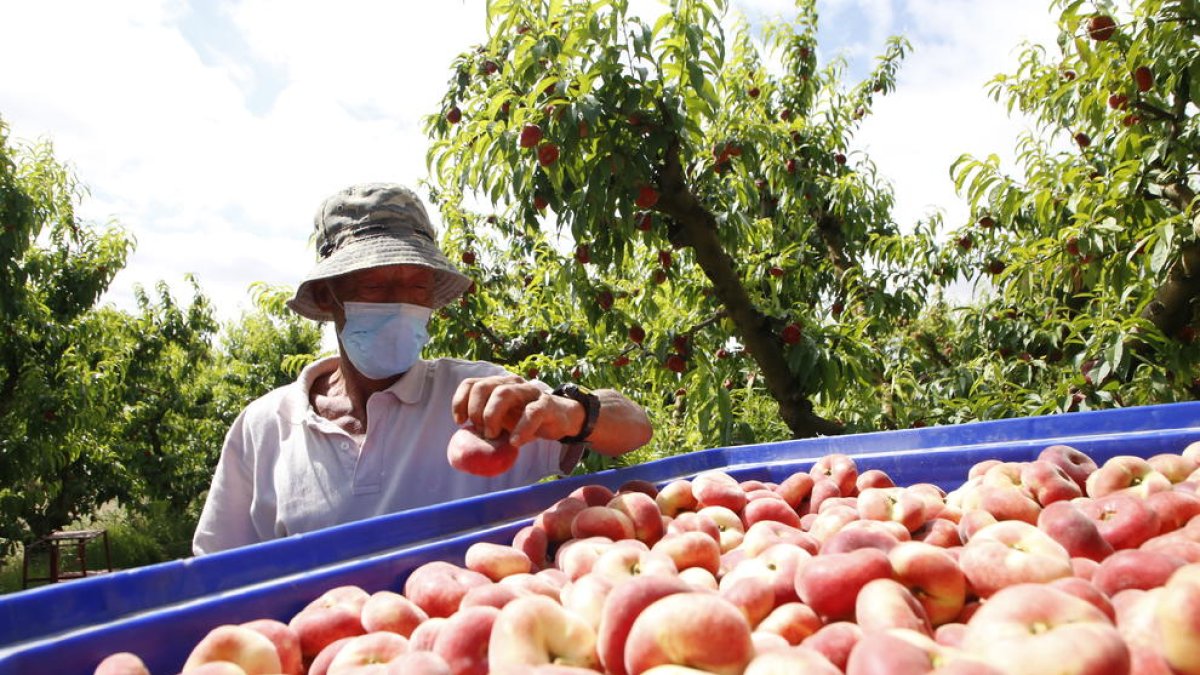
(527, 410)
(621, 426)
(225, 521)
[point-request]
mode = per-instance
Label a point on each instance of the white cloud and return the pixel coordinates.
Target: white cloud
(216, 153)
(170, 148)
(941, 108)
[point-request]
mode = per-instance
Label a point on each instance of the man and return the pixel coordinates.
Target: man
(365, 433)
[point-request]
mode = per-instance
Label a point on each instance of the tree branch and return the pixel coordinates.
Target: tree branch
(1180, 195)
(829, 226)
(707, 322)
(699, 231)
(1154, 111)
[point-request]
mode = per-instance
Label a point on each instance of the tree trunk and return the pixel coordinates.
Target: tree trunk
(1171, 308)
(699, 231)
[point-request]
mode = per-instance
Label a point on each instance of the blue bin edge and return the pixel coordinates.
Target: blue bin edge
(63, 607)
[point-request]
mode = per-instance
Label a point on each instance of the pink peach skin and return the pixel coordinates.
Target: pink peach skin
(1012, 552)
(835, 641)
(418, 663)
(534, 631)
(437, 587)
(790, 662)
(934, 578)
(1034, 629)
(471, 453)
(496, 561)
(698, 630)
(830, 583)
(676, 497)
(1077, 465)
(556, 520)
(883, 604)
(252, 651)
(392, 612)
(621, 607)
(368, 654)
(462, 642)
(592, 495)
(286, 641)
(121, 663)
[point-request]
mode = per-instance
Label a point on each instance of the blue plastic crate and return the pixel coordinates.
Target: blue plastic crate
(161, 611)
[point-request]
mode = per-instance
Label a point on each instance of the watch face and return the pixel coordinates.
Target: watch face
(574, 391)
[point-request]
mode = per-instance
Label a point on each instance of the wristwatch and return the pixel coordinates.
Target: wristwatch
(591, 408)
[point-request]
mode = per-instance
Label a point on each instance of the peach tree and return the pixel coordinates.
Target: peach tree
(98, 403)
(1090, 247)
(671, 206)
(58, 361)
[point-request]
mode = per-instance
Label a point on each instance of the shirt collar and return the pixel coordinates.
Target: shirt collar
(411, 387)
(408, 389)
(295, 406)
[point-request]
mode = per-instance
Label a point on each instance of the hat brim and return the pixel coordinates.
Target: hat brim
(381, 251)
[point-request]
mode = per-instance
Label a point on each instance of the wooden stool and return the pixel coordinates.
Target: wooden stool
(58, 543)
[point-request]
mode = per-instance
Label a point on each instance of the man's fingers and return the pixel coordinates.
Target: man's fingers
(533, 417)
(459, 403)
(504, 407)
(473, 394)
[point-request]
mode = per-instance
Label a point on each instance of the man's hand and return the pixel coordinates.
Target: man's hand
(508, 404)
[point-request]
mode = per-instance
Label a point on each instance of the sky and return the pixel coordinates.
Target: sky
(212, 129)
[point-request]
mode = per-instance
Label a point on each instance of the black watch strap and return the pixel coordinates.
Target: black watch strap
(591, 409)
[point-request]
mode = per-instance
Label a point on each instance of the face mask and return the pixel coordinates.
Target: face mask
(383, 339)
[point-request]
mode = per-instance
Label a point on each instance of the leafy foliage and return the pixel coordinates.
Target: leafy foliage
(661, 178)
(1097, 233)
(671, 209)
(98, 404)
(59, 366)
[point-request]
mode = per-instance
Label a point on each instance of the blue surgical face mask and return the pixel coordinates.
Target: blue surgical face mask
(383, 339)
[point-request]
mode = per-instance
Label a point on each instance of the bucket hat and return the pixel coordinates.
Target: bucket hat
(375, 225)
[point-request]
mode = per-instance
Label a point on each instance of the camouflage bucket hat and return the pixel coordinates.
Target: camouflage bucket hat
(375, 225)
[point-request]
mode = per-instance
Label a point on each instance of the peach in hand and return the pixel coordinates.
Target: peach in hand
(471, 453)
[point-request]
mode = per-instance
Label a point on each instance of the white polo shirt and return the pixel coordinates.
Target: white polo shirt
(284, 469)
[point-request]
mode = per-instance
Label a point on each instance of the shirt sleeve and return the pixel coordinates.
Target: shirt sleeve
(225, 521)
